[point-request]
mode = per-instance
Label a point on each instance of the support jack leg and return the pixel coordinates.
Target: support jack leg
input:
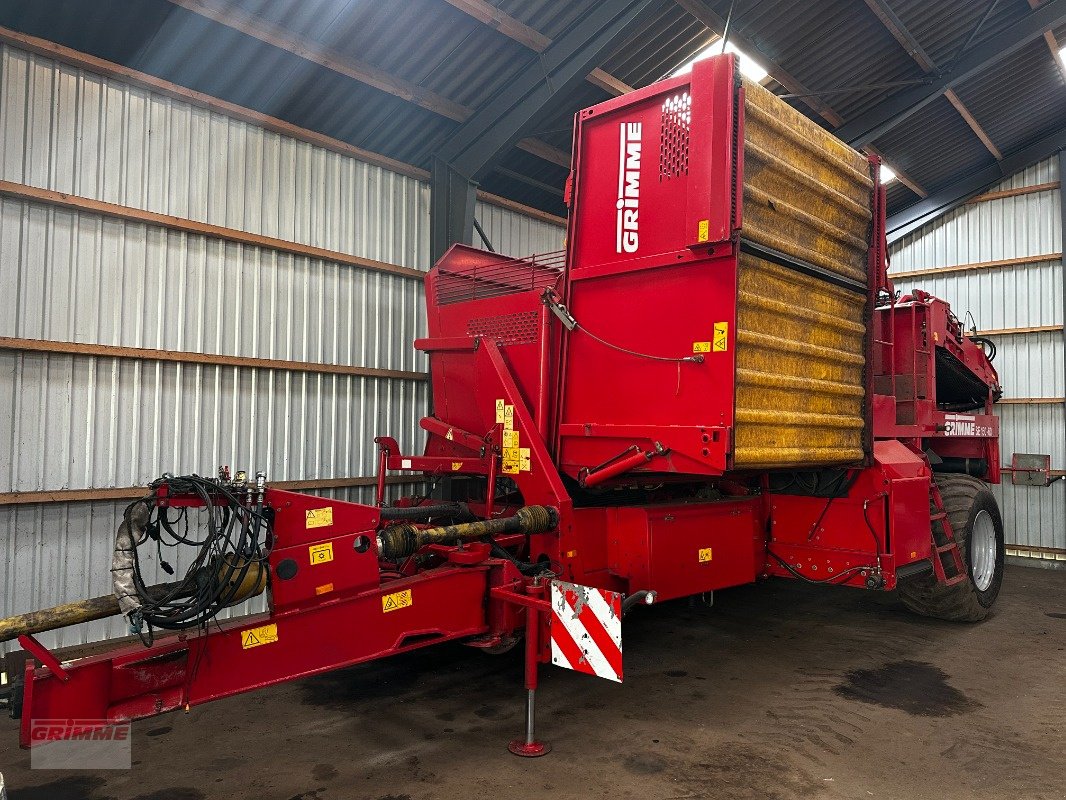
(530, 747)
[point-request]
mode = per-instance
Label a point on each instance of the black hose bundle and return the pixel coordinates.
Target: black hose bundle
(987, 345)
(230, 560)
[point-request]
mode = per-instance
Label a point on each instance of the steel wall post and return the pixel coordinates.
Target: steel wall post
(1062, 272)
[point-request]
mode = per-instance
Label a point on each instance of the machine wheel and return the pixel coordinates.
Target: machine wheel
(975, 520)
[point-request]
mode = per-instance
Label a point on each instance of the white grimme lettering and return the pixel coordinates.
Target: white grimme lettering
(627, 221)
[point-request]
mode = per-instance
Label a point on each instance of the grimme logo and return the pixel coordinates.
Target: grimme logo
(79, 744)
(628, 187)
(965, 425)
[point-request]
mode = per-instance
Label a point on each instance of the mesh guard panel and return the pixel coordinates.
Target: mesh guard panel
(673, 138)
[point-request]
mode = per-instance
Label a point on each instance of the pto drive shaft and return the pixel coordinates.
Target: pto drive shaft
(400, 541)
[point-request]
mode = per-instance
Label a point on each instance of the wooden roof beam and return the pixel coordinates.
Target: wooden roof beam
(100, 66)
(973, 123)
(883, 11)
(875, 122)
(489, 15)
(328, 58)
(701, 11)
(1053, 44)
(704, 14)
(901, 176)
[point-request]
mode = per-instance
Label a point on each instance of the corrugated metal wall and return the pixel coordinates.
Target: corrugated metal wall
(78, 421)
(1013, 298)
(515, 235)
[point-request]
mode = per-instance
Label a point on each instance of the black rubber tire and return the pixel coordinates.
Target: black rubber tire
(964, 498)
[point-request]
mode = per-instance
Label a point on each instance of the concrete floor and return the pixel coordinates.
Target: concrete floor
(780, 691)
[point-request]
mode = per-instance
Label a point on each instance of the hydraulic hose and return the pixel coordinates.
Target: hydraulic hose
(426, 512)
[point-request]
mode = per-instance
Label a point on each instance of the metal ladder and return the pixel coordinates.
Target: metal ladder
(948, 565)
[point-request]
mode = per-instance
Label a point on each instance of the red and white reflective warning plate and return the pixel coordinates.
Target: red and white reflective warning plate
(586, 629)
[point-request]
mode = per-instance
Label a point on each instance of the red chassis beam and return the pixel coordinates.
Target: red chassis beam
(243, 654)
(329, 609)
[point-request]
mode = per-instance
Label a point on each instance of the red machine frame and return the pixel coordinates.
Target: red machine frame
(497, 352)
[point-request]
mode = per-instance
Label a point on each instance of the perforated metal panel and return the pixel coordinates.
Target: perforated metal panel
(518, 328)
(674, 136)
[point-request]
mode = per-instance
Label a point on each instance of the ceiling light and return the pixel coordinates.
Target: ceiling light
(887, 174)
(748, 68)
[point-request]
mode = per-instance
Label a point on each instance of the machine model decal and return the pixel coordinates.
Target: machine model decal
(319, 517)
(396, 601)
(586, 629)
(321, 553)
(628, 187)
(965, 425)
(254, 637)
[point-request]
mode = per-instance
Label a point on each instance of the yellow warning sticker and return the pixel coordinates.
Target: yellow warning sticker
(510, 468)
(523, 459)
(456, 466)
(325, 588)
(321, 553)
(396, 601)
(499, 411)
(510, 454)
(703, 234)
(253, 637)
(701, 347)
(508, 418)
(721, 337)
(510, 439)
(450, 435)
(319, 517)
(705, 554)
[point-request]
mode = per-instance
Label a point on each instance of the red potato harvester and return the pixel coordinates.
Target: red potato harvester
(714, 384)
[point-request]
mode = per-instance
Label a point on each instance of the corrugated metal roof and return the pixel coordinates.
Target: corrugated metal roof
(1015, 112)
(949, 148)
(434, 46)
